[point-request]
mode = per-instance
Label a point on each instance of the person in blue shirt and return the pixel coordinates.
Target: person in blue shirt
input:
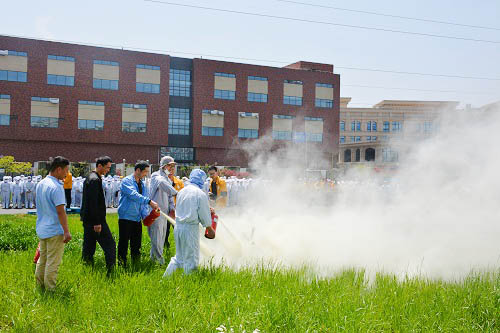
(51, 223)
(133, 207)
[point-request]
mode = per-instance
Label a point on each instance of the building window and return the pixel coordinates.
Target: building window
(180, 83)
(150, 88)
(396, 126)
(374, 138)
(4, 120)
(133, 127)
(371, 126)
(369, 154)
(135, 106)
(347, 155)
(178, 153)
(293, 82)
(17, 53)
(427, 126)
(342, 125)
(282, 135)
(212, 131)
(292, 100)
(91, 103)
(224, 94)
(386, 126)
(352, 138)
(355, 126)
(86, 124)
(389, 155)
(47, 122)
(324, 85)
(342, 139)
(60, 80)
(323, 103)
(248, 133)
(225, 74)
(256, 97)
(314, 137)
(368, 138)
(178, 121)
(105, 84)
(299, 137)
(61, 58)
(13, 76)
(156, 68)
(257, 78)
(358, 139)
(105, 62)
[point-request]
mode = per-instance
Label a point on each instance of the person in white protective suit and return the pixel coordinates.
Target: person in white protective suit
(116, 190)
(78, 186)
(191, 209)
(5, 191)
(162, 192)
(17, 189)
(22, 182)
(29, 188)
(108, 188)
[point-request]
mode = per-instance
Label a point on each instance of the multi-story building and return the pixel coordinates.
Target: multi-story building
(82, 101)
(378, 135)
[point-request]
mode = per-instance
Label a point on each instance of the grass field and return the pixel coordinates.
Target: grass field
(268, 300)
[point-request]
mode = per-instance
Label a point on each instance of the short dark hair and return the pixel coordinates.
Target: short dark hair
(141, 165)
(212, 167)
(103, 160)
(57, 162)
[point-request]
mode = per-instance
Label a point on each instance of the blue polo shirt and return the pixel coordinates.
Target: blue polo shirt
(49, 195)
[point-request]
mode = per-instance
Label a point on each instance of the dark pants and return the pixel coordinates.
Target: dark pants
(67, 192)
(167, 244)
(105, 239)
(129, 230)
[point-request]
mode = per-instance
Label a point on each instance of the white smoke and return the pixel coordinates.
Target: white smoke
(438, 217)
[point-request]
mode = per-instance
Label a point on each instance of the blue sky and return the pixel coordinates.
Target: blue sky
(145, 25)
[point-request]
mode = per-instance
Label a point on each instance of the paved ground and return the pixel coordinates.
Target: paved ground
(25, 211)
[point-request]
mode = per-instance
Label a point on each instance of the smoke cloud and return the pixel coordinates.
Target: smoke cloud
(438, 216)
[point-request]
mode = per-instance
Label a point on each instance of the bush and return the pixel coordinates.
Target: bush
(18, 237)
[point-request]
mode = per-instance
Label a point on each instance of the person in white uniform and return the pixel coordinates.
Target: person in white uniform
(17, 189)
(29, 188)
(191, 209)
(5, 191)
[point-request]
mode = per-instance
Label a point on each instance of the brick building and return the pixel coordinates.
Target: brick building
(82, 101)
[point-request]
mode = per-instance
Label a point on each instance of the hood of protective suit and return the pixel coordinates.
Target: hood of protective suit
(197, 177)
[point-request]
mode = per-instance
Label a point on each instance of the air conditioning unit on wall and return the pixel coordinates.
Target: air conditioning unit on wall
(54, 100)
(4, 52)
(136, 106)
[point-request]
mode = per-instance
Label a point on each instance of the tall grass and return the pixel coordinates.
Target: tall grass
(267, 299)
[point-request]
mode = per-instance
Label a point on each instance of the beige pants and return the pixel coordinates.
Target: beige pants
(51, 253)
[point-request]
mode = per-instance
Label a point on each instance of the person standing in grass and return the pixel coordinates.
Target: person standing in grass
(51, 223)
(93, 216)
(192, 208)
(132, 209)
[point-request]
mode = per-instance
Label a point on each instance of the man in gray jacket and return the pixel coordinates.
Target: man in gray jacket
(162, 192)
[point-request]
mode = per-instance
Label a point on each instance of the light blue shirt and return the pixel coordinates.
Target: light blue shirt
(49, 195)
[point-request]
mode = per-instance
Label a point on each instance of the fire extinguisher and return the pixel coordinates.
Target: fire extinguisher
(215, 219)
(37, 254)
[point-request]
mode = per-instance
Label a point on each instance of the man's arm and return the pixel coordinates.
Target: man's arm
(204, 211)
(63, 219)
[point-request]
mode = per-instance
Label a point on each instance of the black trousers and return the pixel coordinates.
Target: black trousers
(129, 231)
(105, 240)
(67, 192)
(167, 244)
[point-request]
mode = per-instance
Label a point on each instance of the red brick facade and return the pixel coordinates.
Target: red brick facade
(35, 144)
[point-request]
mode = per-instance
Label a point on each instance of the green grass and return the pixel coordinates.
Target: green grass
(271, 300)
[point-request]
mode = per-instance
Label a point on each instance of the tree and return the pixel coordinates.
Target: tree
(12, 167)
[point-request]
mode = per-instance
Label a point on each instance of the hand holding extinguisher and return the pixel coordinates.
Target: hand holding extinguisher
(210, 231)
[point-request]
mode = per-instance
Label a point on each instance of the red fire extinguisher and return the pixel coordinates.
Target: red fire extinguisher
(37, 254)
(215, 219)
(148, 221)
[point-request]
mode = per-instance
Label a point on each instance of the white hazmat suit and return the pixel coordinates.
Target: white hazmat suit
(192, 208)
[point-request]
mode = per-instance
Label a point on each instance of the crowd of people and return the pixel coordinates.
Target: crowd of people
(187, 202)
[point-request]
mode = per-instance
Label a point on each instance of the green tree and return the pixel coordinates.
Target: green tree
(12, 167)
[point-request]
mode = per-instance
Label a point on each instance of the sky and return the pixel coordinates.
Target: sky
(194, 32)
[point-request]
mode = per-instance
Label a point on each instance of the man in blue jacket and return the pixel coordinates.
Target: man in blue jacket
(133, 207)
